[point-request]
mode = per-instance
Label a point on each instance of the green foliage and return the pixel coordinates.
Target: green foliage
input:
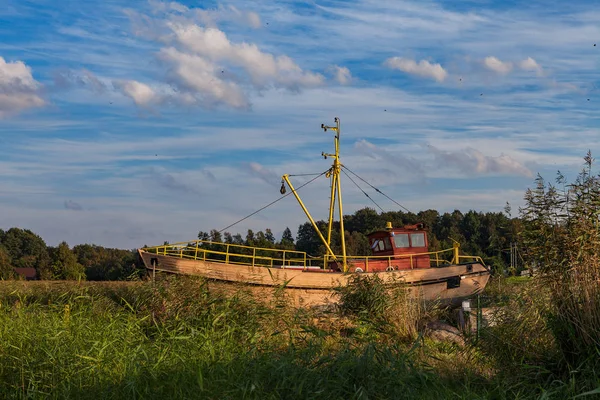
(26, 249)
(6, 268)
(519, 334)
(184, 339)
(187, 338)
(287, 238)
(365, 220)
(307, 240)
(102, 263)
(384, 309)
(364, 295)
(357, 244)
(562, 238)
(64, 263)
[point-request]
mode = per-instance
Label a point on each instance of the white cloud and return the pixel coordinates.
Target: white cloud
(171, 183)
(424, 68)
(264, 68)
(263, 173)
(83, 78)
(500, 67)
(247, 17)
(211, 17)
(404, 167)
(205, 68)
(253, 19)
(199, 79)
(142, 94)
(341, 74)
(529, 64)
(18, 90)
(473, 162)
(160, 6)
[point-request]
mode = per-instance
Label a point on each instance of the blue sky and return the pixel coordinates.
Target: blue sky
(130, 123)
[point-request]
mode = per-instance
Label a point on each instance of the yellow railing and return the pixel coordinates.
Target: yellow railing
(269, 257)
(436, 258)
(234, 254)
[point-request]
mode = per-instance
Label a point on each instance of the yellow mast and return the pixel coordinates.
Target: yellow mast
(336, 192)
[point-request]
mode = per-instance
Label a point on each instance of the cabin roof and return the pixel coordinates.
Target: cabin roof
(419, 227)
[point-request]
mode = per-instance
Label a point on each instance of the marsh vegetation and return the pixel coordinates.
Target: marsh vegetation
(185, 337)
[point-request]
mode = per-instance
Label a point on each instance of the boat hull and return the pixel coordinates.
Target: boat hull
(448, 285)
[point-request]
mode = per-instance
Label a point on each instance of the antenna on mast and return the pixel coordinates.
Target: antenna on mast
(336, 192)
(336, 188)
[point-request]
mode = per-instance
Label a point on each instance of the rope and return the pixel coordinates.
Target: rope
(365, 193)
(318, 173)
(273, 202)
(377, 190)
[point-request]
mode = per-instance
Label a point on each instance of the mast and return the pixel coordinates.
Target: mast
(336, 188)
(336, 193)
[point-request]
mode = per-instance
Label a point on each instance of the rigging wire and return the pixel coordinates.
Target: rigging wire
(318, 173)
(365, 193)
(273, 202)
(377, 190)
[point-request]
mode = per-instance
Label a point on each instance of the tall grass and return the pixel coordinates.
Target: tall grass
(386, 308)
(185, 338)
(562, 238)
(189, 338)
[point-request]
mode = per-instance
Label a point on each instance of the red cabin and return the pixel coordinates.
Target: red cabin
(394, 249)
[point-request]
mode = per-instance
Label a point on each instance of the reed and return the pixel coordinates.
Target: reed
(189, 338)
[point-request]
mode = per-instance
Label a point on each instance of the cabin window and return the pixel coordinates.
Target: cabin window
(381, 244)
(401, 240)
(387, 244)
(417, 239)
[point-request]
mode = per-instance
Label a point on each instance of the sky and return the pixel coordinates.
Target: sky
(131, 123)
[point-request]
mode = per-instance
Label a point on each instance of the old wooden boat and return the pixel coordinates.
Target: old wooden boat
(400, 256)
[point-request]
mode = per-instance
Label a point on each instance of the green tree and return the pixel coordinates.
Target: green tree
(215, 236)
(250, 238)
(308, 240)
(105, 264)
(287, 239)
(269, 236)
(203, 236)
(357, 244)
(365, 221)
(26, 249)
(237, 239)
(65, 265)
(6, 268)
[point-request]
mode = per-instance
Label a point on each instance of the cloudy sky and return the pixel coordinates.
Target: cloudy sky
(124, 123)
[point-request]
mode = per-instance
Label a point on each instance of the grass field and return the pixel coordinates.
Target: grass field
(187, 338)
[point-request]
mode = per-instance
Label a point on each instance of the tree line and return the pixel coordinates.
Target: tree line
(22, 248)
(485, 234)
(488, 234)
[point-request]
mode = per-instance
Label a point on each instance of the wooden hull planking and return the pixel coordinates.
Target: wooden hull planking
(449, 285)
